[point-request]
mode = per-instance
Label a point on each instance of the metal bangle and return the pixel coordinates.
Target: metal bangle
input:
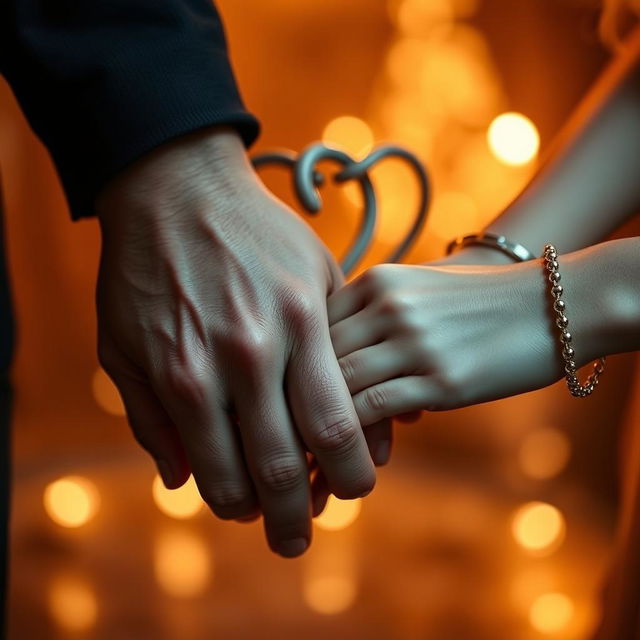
(515, 251)
(578, 390)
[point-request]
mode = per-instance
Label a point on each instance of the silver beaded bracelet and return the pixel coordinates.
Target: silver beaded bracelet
(578, 390)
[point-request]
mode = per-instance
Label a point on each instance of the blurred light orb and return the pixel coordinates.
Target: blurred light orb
(538, 527)
(106, 393)
(182, 563)
(339, 514)
(551, 612)
(72, 604)
(513, 139)
(329, 595)
(182, 503)
(71, 501)
(544, 453)
(351, 134)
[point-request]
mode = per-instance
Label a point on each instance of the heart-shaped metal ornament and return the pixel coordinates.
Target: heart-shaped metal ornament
(307, 180)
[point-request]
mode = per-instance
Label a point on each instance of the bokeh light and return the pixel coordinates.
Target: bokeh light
(551, 612)
(106, 393)
(491, 184)
(458, 72)
(513, 139)
(181, 503)
(71, 501)
(351, 134)
(329, 595)
(339, 514)
(182, 563)
(72, 604)
(538, 527)
(544, 453)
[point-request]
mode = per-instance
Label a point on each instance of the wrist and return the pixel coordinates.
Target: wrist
(475, 255)
(209, 163)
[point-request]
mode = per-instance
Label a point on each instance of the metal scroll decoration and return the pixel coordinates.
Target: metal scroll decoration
(307, 181)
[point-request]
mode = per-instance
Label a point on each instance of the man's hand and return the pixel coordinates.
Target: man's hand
(212, 322)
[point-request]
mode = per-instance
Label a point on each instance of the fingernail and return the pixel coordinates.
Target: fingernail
(165, 472)
(382, 453)
(292, 548)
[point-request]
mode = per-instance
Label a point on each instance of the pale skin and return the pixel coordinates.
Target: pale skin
(212, 322)
(474, 327)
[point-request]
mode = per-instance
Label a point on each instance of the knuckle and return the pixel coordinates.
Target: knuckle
(376, 400)
(280, 475)
(301, 308)
(451, 385)
(227, 500)
(376, 278)
(425, 351)
(398, 307)
(253, 347)
(335, 435)
(185, 383)
(348, 368)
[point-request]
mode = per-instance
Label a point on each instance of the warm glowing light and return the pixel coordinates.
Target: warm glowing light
(538, 527)
(513, 139)
(418, 17)
(351, 134)
(71, 501)
(551, 612)
(398, 195)
(465, 8)
(329, 594)
(463, 80)
(72, 604)
(106, 394)
(405, 57)
(491, 184)
(182, 563)
(452, 213)
(339, 514)
(544, 453)
(181, 503)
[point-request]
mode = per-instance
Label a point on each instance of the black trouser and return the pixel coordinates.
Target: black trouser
(6, 352)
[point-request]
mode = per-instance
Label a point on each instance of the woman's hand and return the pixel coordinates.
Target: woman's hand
(422, 337)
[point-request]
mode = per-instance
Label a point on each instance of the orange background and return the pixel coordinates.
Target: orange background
(448, 564)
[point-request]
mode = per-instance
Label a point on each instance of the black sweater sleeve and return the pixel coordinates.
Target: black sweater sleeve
(102, 82)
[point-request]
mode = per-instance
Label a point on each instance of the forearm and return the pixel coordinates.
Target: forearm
(602, 294)
(590, 182)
